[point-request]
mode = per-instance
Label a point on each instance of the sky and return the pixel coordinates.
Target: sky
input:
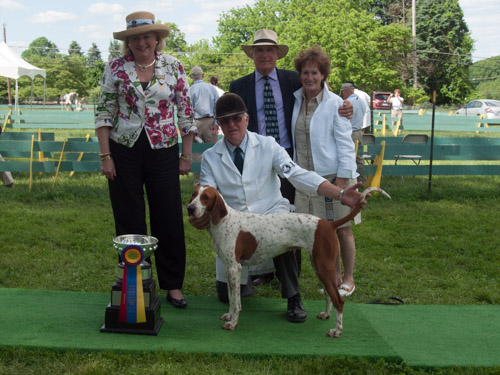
(88, 22)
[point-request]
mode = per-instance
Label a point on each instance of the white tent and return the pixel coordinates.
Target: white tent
(12, 66)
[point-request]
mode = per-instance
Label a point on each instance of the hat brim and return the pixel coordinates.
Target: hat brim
(231, 114)
(161, 30)
(281, 48)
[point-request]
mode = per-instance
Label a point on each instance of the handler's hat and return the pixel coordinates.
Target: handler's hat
(142, 22)
(229, 105)
(265, 37)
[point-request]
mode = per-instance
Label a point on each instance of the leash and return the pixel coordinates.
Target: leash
(395, 301)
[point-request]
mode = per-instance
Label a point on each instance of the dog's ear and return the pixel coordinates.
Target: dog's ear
(217, 206)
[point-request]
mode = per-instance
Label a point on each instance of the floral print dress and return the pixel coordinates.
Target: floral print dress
(128, 108)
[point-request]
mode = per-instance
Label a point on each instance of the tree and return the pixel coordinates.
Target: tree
(444, 48)
(63, 74)
(175, 42)
(238, 25)
(485, 75)
(387, 11)
(114, 49)
(75, 49)
(93, 55)
(93, 75)
(40, 47)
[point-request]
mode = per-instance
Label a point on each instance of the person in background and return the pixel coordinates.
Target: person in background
(244, 167)
(359, 110)
(396, 102)
(214, 80)
(203, 98)
(367, 119)
(322, 143)
(71, 99)
(138, 142)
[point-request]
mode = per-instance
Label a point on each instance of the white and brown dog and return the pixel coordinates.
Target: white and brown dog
(247, 239)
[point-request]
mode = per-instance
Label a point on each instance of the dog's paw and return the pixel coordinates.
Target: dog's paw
(226, 317)
(334, 333)
(230, 326)
(323, 316)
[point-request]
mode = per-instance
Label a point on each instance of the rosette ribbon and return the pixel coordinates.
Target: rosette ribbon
(132, 309)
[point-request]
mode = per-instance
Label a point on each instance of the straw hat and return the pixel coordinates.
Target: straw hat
(265, 37)
(139, 23)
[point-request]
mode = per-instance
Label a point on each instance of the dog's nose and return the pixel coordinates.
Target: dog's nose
(190, 210)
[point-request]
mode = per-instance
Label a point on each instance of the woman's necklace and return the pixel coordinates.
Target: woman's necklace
(145, 67)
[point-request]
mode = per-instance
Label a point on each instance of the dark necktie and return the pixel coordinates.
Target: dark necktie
(270, 113)
(238, 159)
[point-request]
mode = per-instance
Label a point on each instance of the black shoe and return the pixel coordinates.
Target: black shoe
(295, 312)
(178, 303)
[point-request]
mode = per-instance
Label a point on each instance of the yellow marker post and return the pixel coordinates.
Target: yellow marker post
(59, 164)
(31, 160)
(374, 181)
(80, 156)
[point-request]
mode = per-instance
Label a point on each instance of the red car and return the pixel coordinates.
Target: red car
(380, 100)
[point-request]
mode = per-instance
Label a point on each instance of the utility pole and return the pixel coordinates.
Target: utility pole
(9, 95)
(414, 36)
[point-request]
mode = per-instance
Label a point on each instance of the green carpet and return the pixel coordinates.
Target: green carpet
(418, 335)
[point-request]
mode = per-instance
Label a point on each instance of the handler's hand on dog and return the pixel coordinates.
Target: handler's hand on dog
(200, 222)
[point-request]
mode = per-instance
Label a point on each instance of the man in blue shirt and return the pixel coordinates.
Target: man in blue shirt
(203, 97)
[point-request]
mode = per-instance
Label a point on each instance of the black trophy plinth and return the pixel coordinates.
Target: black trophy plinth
(152, 304)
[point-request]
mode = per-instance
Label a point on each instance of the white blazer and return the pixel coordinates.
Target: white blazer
(331, 142)
(257, 190)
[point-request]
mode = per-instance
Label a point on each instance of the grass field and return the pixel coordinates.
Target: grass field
(437, 248)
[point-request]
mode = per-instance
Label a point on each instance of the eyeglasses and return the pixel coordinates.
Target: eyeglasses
(226, 120)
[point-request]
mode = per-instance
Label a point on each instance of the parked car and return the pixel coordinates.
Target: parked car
(488, 107)
(380, 100)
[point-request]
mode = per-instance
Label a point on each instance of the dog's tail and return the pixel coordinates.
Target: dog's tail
(355, 210)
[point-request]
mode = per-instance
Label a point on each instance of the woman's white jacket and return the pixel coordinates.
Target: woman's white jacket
(330, 135)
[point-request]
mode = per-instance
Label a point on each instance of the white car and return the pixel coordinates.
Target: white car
(489, 107)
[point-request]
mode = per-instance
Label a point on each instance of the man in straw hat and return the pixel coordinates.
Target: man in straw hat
(265, 52)
(254, 187)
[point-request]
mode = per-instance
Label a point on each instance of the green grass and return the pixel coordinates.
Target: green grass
(437, 248)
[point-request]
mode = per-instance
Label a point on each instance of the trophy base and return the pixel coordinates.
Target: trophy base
(151, 327)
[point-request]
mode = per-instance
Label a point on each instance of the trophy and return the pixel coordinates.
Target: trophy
(134, 307)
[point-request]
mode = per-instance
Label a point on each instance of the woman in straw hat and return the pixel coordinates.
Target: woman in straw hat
(138, 143)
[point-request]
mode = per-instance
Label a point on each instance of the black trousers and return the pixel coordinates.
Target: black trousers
(158, 171)
(288, 265)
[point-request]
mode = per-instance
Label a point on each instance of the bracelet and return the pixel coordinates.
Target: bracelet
(105, 156)
(341, 195)
(186, 157)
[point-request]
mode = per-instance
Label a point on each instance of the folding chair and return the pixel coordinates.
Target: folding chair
(413, 139)
(368, 138)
